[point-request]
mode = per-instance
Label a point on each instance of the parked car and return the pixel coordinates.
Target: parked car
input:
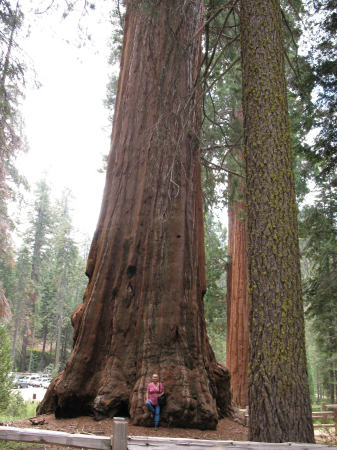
(36, 382)
(22, 383)
(45, 383)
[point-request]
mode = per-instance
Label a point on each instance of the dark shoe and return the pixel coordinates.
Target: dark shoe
(155, 428)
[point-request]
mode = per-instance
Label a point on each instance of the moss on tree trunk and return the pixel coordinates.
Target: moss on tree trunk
(278, 383)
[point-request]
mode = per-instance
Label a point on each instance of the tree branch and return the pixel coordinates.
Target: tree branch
(213, 166)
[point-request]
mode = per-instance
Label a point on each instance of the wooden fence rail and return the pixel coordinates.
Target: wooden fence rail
(326, 412)
(121, 441)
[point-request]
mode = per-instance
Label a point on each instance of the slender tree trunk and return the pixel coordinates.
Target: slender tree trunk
(279, 400)
(8, 53)
(237, 295)
(60, 320)
(143, 307)
(32, 348)
(24, 346)
(15, 337)
(65, 341)
(45, 332)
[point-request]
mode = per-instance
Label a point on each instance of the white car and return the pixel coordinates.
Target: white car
(36, 382)
(45, 383)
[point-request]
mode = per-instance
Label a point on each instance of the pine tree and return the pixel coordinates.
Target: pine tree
(6, 383)
(323, 58)
(214, 300)
(11, 80)
(320, 248)
(279, 398)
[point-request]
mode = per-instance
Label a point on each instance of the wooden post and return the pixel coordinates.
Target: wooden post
(334, 409)
(246, 415)
(119, 440)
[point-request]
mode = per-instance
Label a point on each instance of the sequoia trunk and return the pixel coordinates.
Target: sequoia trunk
(237, 294)
(278, 384)
(143, 307)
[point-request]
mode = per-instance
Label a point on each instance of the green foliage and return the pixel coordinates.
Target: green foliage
(39, 360)
(215, 297)
(323, 57)
(44, 284)
(6, 383)
(11, 81)
(117, 20)
(221, 100)
(319, 231)
(18, 409)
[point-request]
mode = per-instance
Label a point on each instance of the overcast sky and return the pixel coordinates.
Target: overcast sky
(66, 123)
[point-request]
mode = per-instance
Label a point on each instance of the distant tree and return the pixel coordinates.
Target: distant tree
(214, 300)
(279, 399)
(237, 290)
(6, 383)
(319, 231)
(19, 302)
(323, 57)
(5, 311)
(11, 80)
(66, 254)
(36, 240)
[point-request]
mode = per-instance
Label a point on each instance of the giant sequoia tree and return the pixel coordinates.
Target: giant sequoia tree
(143, 307)
(237, 294)
(278, 383)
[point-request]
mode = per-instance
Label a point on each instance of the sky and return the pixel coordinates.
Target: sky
(66, 123)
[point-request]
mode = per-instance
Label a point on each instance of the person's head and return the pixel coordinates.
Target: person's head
(155, 378)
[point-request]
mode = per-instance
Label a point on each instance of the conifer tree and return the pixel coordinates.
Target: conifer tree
(142, 310)
(279, 398)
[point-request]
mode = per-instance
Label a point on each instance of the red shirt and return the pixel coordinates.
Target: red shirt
(153, 392)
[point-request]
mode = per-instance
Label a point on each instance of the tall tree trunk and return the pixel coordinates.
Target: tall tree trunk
(143, 307)
(24, 346)
(237, 294)
(60, 317)
(31, 349)
(44, 343)
(279, 398)
(15, 337)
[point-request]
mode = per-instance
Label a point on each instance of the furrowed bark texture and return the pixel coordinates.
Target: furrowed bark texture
(237, 295)
(278, 383)
(143, 307)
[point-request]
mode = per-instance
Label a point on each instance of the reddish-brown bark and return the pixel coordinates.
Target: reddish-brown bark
(5, 310)
(143, 307)
(237, 295)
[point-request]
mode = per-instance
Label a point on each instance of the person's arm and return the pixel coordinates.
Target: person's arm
(147, 394)
(161, 390)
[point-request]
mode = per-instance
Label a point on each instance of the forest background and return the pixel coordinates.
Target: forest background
(42, 273)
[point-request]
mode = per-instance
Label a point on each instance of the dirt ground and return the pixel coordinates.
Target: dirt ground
(227, 429)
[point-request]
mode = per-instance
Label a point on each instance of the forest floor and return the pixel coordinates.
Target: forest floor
(227, 429)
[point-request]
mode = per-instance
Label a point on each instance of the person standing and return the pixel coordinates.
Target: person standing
(154, 390)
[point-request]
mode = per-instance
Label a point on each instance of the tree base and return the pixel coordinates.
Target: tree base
(178, 412)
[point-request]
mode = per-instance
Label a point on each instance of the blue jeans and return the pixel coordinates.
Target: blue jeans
(155, 410)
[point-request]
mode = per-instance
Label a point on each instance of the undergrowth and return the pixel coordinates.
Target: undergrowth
(17, 409)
